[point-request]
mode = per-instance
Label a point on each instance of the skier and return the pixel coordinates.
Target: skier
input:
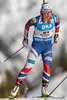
(42, 44)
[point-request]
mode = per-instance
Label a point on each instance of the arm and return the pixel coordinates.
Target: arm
(57, 25)
(31, 22)
(26, 31)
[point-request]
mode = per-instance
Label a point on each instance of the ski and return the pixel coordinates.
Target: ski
(11, 98)
(57, 97)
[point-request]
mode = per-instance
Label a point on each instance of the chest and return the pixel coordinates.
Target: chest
(44, 26)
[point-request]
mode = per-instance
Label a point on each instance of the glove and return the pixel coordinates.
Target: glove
(25, 42)
(56, 38)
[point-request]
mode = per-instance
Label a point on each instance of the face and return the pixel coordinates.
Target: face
(47, 13)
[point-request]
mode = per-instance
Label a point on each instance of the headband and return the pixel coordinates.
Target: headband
(46, 6)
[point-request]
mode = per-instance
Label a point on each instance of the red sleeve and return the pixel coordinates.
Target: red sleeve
(57, 25)
(26, 30)
(31, 22)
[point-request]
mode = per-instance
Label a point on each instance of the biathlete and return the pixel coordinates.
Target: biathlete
(42, 44)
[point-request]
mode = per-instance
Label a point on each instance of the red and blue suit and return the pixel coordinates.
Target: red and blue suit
(42, 44)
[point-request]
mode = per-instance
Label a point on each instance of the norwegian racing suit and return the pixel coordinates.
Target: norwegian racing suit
(42, 44)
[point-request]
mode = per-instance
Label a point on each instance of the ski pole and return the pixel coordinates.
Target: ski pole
(56, 87)
(13, 54)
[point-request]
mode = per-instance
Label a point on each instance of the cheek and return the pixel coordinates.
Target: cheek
(50, 14)
(44, 14)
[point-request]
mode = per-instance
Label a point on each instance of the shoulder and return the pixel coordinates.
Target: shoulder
(34, 19)
(56, 18)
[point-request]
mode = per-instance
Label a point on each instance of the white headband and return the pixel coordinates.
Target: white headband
(46, 6)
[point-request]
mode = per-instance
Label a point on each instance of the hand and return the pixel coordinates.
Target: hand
(56, 38)
(25, 42)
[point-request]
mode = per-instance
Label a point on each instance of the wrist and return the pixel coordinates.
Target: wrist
(56, 38)
(56, 35)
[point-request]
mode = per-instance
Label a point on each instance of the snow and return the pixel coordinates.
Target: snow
(33, 99)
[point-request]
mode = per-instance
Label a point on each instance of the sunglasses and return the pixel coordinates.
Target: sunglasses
(46, 11)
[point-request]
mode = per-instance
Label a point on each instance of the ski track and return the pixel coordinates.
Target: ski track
(33, 99)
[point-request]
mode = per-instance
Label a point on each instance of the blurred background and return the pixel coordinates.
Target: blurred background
(13, 16)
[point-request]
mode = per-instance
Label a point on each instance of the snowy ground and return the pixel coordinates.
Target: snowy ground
(33, 99)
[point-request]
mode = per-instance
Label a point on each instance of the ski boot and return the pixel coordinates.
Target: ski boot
(14, 91)
(44, 91)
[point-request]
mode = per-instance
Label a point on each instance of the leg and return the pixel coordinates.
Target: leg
(32, 55)
(34, 52)
(47, 59)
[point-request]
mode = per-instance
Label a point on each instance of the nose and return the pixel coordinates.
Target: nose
(48, 14)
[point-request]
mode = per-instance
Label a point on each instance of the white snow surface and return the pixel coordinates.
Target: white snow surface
(33, 99)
